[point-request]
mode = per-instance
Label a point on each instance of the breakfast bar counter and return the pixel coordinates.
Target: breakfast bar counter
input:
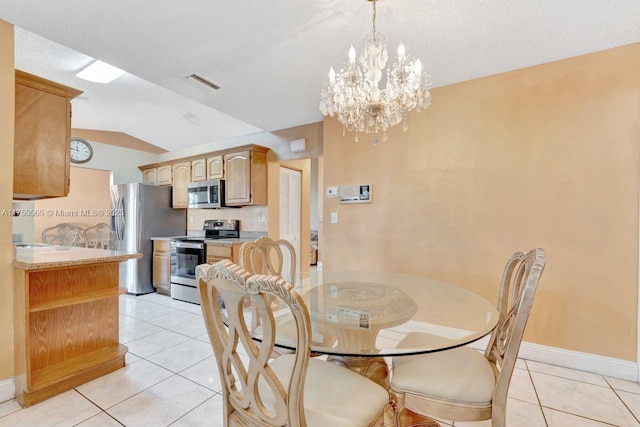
(65, 318)
(41, 256)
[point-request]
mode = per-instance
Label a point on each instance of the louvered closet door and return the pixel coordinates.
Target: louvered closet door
(290, 209)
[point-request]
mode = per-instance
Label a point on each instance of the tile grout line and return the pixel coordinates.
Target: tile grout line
(559, 410)
(535, 390)
(102, 411)
(573, 379)
(622, 400)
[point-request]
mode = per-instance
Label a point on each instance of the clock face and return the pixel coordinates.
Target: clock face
(81, 151)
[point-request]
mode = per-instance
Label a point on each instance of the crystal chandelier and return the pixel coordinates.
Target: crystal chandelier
(354, 96)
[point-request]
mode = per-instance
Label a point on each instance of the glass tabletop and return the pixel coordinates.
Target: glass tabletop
(364, 313)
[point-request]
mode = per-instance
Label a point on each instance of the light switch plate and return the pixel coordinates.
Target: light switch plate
(334, 217)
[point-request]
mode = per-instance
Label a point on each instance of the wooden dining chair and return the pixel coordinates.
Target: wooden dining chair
(463, 384)
(268, 256)
(64, 234)
(98, 236)
(291, 390)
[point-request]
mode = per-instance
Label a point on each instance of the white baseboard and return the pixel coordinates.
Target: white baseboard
(603, 365)
(595, 363)
(7, 390)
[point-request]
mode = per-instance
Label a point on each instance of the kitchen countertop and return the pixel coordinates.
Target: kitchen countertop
(221, 242)
(41, 256)
(227, 242)
(168, 237)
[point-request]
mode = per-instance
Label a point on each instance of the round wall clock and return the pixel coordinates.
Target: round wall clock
(81, 151)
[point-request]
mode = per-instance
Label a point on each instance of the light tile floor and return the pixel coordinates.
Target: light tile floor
(171, 379)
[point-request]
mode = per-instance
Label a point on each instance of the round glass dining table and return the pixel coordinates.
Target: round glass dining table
(360, 317)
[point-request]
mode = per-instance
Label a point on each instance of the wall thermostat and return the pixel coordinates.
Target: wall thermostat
(359, 193)
(332, 192)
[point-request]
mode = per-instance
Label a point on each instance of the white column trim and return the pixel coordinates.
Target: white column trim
(638, 302)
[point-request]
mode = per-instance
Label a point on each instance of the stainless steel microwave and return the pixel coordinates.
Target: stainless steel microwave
(206, 194)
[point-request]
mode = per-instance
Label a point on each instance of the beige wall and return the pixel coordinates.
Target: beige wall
(89, 190)
(545, 156)
(7, 106)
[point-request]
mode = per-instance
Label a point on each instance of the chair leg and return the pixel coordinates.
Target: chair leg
(396, 404)
(389, 416)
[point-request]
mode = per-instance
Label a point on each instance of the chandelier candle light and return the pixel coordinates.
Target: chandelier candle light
(353, 94)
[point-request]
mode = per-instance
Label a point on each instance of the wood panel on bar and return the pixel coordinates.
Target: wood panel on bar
(66, 328)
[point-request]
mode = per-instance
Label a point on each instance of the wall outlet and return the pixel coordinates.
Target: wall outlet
(334, 217)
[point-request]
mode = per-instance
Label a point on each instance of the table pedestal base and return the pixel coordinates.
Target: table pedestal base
(374, 368)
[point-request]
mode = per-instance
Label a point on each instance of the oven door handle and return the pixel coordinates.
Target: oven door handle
(189, 245)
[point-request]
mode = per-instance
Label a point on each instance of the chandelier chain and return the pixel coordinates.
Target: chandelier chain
(374, 19)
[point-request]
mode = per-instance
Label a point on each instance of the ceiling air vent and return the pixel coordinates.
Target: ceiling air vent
(204, 81)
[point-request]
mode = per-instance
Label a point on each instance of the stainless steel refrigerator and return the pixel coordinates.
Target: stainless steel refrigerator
(142, 211)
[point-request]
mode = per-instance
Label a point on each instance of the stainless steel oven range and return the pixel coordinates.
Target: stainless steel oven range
(189, 252)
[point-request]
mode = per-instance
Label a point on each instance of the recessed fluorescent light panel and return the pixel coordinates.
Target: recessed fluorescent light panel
(100, 72)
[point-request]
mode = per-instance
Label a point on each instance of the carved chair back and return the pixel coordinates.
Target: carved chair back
(64, 234)
(252, 393)
(517, 288)
(97, 236)
(269, 257)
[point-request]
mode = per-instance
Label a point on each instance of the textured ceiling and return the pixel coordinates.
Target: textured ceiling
(272, 57)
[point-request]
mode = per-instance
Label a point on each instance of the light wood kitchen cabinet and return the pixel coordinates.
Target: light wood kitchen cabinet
(149, 176)
(181, 178)
(215, 169)
(244, 170)
(42, 137)
(162, 266)
(217, 253)
(198, 170)
(246, 177)
(164, 176)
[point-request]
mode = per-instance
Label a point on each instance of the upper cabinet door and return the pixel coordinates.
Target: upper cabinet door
(198, 170)
(238, 182)
(149, 176)
(165, 174)
(181, 175)
(215, 169)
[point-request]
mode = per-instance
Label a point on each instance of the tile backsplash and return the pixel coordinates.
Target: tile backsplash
(252, 218)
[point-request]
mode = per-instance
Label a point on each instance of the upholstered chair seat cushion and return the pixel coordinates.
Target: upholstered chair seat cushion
(462, 374)
(333, 396)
